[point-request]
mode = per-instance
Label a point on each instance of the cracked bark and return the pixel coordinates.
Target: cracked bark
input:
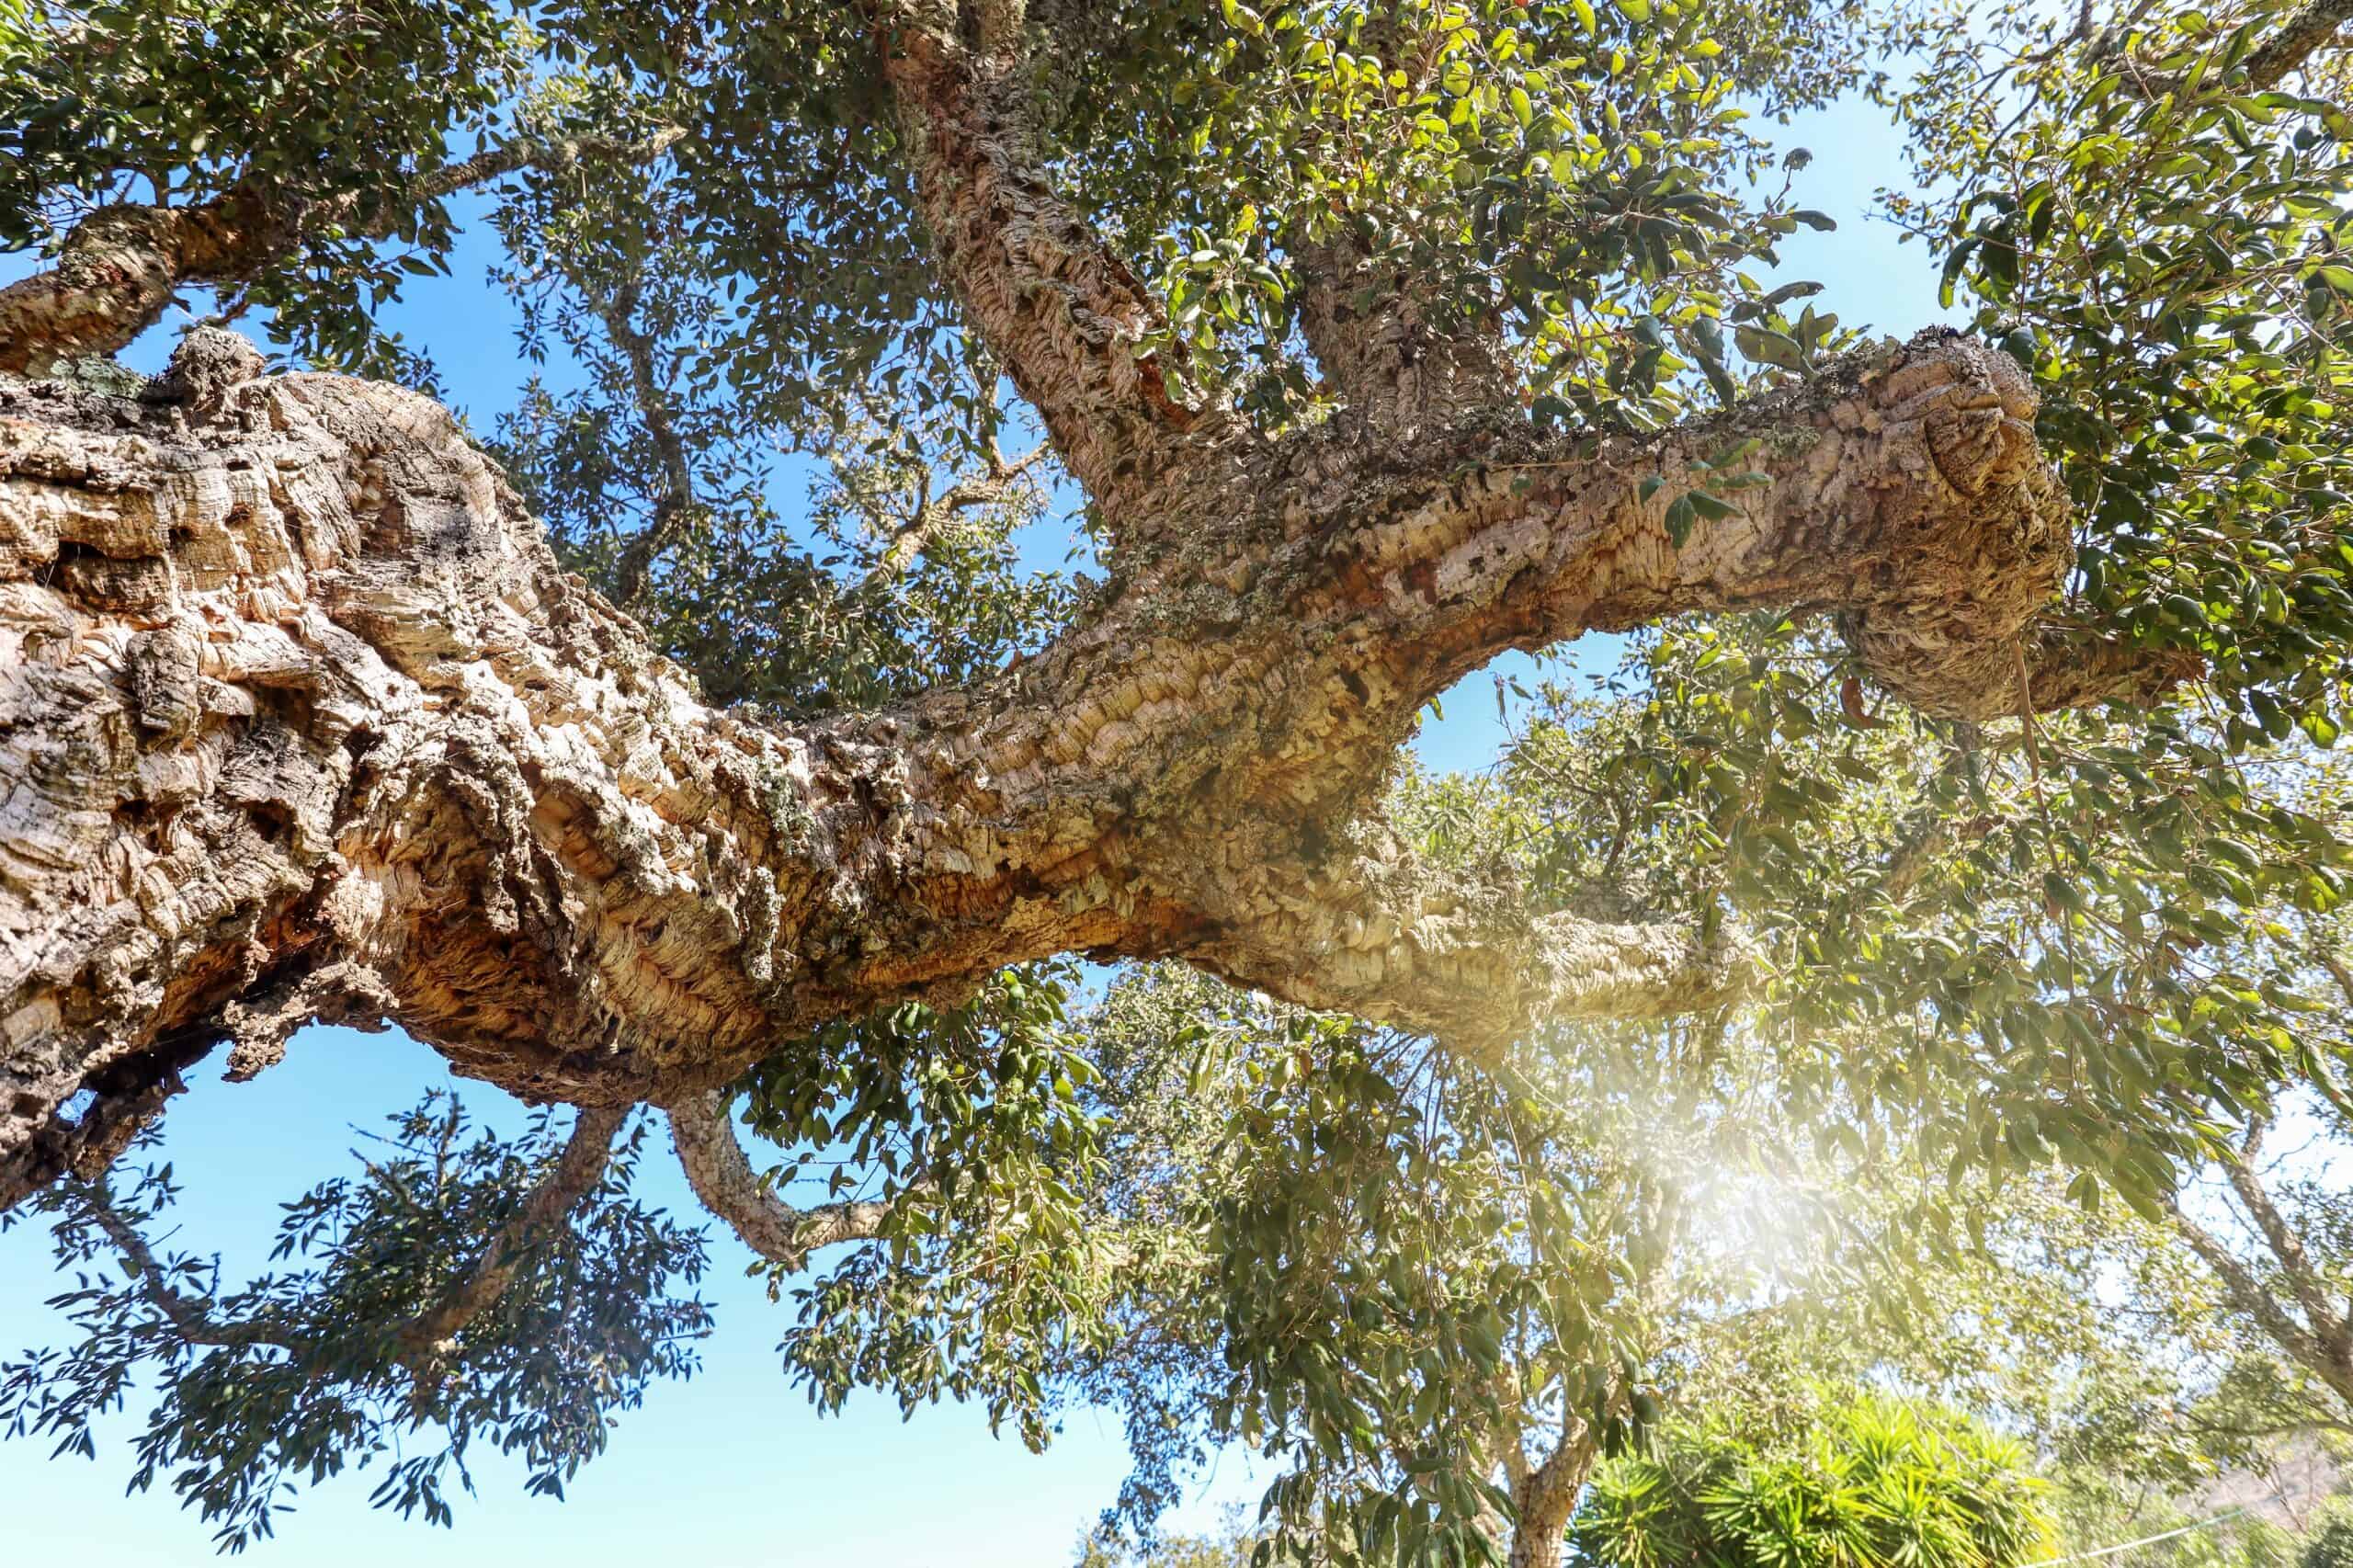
(298, 711)
(1546, 1496)
(2302, 33)
(1037, 283)
(301, 686)
(1387, 348)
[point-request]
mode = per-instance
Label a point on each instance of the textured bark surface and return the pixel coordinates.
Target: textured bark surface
(299, 718)
(301, 714)
(115, 275)
(1544, 1495)
(1033, 277)
(1383, 349)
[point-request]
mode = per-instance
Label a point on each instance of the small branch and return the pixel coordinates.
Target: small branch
(578, 1169)
(2339, 972)
(191, 1319)
(675, 512)
(723, 1179)
(423, 1340)
(933, 515)
(118, 267)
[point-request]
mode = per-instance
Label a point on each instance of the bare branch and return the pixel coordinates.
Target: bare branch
(674, 511)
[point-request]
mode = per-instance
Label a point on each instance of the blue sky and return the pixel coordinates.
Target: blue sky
(732, 1469)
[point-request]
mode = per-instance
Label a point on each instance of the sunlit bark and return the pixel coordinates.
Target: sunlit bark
(299, 715)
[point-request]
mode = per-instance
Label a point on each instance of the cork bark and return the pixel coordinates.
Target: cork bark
(299, 717)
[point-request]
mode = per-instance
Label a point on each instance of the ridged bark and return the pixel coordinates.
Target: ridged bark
(298, 713)
(299, 717)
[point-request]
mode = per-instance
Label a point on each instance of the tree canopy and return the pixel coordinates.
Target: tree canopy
(1952, 869)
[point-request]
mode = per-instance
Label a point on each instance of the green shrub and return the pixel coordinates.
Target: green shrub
(1875, 1482)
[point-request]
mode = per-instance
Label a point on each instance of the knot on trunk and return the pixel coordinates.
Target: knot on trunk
(210, 363)
(1972, 557)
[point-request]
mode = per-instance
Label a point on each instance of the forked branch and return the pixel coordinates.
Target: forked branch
(722, 1178)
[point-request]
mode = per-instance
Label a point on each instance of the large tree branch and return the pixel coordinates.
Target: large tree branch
(1401, 347)
(2314, 26)
(1369, 930)
(118, 267)
(2300, 34)
(1056, 306)
(1396, 355)
(291, 685)
(723, 1179)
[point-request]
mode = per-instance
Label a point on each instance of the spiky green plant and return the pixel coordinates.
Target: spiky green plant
(1876, 1483)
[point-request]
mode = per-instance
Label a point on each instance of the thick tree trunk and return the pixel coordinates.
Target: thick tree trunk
(299, 715)
(1544, 1498)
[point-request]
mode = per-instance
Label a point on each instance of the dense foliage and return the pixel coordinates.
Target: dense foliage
(2022, 978)
(1874, 1482)
(297, 1375)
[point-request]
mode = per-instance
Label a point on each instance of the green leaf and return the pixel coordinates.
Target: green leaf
(1681, 516)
